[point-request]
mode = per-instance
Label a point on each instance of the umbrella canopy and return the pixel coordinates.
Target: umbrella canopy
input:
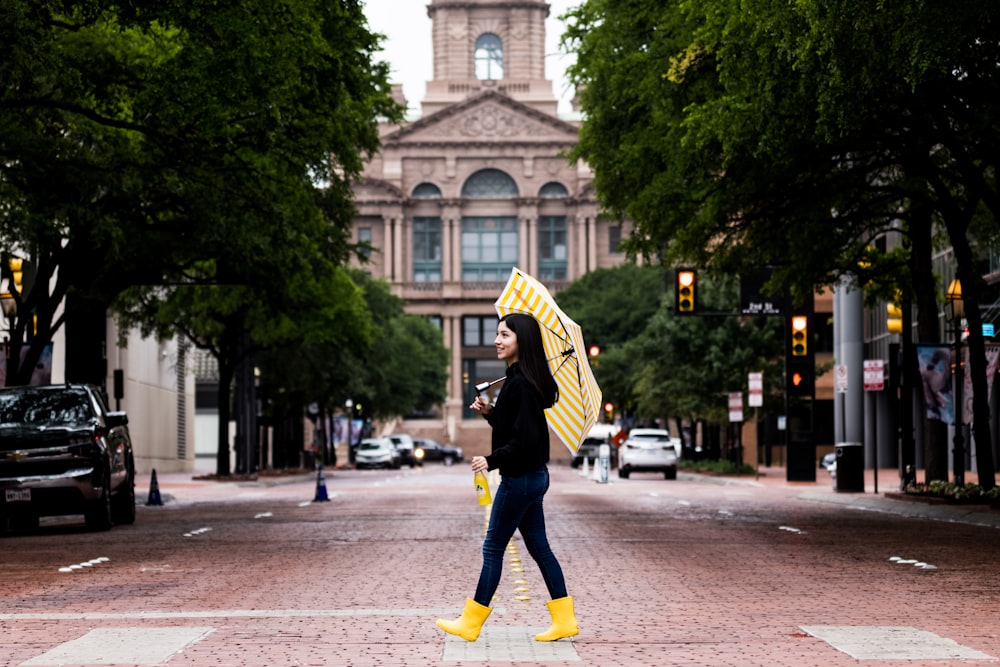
(579, 402)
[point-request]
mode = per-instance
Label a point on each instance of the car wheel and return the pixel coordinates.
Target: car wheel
(448, 460)
(98, 513)
(623, 473)
(123, 505)
(670, 474)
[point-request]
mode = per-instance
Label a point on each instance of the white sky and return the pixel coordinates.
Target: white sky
(407, 46)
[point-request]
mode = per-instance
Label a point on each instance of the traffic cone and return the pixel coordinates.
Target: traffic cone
(154, 491)
(320, 485)
(584, 471)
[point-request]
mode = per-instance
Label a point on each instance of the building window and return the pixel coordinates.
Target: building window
(553, 190)
(614, 239)
(427, 250)
(489, 57)
(426, 191)
(489, 184)
(489, 248)
(436, 321)
(552, 247)
(479, 331)
(365, 239)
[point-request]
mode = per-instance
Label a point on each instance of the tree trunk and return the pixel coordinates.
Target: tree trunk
(925, 292)
(226, 371)
(981, 431)
(86, 341)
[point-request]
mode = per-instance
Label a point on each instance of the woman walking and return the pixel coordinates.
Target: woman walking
(520, 450)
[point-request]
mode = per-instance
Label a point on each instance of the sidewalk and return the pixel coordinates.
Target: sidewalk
(888, 498)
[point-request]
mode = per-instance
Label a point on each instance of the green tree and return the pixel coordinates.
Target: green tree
(743, 134)
(655, 363)
(162, 143)
(613, 306)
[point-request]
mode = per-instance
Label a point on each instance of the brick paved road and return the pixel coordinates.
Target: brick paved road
(697, 571)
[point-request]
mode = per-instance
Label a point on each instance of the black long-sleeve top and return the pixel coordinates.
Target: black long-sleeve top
(520, 432)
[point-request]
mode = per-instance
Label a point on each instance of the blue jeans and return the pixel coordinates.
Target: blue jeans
(517, 505)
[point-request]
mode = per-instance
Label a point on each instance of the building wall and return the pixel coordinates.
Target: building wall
(469, 125)
(158, 397)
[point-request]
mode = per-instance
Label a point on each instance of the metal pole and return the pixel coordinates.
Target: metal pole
(958, 453)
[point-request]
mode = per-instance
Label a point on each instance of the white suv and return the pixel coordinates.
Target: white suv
(648, 450)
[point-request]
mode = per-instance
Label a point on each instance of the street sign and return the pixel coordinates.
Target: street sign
(755, 387)
(874, 370)
(736, 406)
(840, 378)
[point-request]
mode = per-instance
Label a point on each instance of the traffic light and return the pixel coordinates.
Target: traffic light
(685, 291)
(609, 412)
(894, 321)
(800, 335)
(16, 264)
(800, 377)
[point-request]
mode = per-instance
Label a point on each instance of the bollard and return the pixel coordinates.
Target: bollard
(321, 494)
(154, 491)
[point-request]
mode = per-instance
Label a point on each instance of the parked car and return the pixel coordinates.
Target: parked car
(404, 443)
(432, 450)
(376, 453)
(590, 448)
(63, 452)
(648, 450)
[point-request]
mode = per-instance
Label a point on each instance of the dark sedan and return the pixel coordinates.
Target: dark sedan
(63, 451)
(426, 449)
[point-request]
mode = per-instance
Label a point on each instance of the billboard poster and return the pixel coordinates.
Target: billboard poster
(935, 374)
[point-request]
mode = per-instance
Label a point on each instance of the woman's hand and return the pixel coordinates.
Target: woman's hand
(481, 405)
(479, 464)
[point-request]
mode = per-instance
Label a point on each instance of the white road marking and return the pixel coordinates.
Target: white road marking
(122, 646)
(866, 642)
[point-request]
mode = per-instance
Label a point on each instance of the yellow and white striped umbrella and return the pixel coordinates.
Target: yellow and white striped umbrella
(579, 402)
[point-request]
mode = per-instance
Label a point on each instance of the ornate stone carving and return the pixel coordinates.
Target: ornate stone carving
(490, 121)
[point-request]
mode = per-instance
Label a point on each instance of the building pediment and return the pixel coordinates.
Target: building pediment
(486, 117)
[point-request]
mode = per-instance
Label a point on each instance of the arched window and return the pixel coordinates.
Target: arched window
(489, 57)
(427, 191)
(489, 184)
(553, 190)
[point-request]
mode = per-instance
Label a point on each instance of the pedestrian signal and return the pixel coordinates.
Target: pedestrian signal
(800, 377)
(684, 291)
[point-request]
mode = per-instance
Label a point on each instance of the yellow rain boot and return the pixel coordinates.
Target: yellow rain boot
(563, 620)
(467, 625)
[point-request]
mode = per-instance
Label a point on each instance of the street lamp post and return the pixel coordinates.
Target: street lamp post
(954, 309)
(349, 406)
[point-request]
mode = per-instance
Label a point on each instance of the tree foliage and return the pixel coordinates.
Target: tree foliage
(655, 363)
(743, 134)
(158, 143)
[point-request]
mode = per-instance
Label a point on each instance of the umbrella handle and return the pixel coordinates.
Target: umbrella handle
(483, 386)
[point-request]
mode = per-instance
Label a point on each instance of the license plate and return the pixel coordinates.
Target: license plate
(17, 495)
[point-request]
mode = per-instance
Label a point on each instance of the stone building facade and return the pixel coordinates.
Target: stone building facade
(475, 186)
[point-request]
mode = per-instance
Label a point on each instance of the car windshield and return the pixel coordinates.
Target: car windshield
(44, 408)
(370, 445)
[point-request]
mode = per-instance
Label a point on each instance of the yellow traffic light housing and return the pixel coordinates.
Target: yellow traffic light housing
(800, 335)
(894, 321)
(684, 291)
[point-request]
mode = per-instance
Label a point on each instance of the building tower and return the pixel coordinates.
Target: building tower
(476, 186)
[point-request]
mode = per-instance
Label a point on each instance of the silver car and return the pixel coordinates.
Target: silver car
(648, 450)
(376, 453)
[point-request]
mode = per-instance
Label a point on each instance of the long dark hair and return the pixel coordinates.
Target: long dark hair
(531, 356)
